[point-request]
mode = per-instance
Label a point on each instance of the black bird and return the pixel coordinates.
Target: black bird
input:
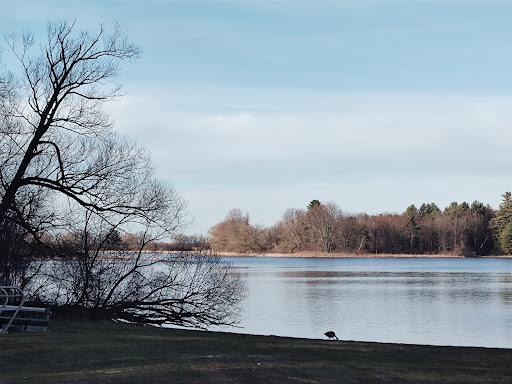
(331, 335)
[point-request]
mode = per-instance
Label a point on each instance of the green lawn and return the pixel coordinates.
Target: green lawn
(115, 353)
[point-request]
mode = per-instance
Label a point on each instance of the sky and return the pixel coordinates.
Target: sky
(266, 105)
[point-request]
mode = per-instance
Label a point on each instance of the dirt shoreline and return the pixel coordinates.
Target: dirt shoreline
(78, 353)
(320, 255)
(357, 256)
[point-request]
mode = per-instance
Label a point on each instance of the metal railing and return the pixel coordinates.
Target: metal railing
(11, 300)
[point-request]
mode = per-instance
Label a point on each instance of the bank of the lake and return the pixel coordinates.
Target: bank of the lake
(335, 255)
(120, 353)
(340, 255)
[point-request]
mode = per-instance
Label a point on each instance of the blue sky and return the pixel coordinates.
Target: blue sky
(264, 105)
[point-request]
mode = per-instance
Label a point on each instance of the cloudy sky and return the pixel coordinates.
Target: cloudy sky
(264, 105)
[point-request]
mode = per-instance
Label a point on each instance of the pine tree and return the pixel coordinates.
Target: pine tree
(506, 239)
(413, 229)
(314, 203)
(428, 210)
(502, 220)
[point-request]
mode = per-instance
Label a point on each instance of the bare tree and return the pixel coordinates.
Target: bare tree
(69, 183)
(56, 142)
(292, 231)
(234, 234)
(321, 222)
(53, 133)
(88, 283)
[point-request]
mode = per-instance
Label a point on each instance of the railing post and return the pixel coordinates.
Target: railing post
(7, 293)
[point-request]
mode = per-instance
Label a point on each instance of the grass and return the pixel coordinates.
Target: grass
(118, 353)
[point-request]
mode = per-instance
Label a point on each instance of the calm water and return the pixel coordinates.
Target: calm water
(421, 301)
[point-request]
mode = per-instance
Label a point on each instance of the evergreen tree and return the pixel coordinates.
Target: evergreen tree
(429, 236)
(503, 215)
(429, 209)
(478, 207)
(506, 239)
(113, 241)
(314, 203)
(457, 210)
(413, 229)
(501, 221)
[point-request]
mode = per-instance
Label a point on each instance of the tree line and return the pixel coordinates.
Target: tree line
(465, 229)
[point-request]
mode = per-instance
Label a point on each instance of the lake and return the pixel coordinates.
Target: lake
(466, 302)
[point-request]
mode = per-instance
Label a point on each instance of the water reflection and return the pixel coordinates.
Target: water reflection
(425, 301)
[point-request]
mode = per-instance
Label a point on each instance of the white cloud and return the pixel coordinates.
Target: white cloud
(238, 150)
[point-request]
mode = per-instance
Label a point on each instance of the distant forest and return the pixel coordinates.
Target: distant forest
(466, 229)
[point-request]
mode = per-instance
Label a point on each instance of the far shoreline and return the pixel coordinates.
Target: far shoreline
(324, 255)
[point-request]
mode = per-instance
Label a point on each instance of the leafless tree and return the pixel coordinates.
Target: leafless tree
(235, 234)
(59, 137)
(187, 289)
(69, 183)
(321, 224)
(292, 231)
(55, 140)
(459, 229)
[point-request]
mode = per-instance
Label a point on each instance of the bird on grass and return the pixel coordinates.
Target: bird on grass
(331, 335)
